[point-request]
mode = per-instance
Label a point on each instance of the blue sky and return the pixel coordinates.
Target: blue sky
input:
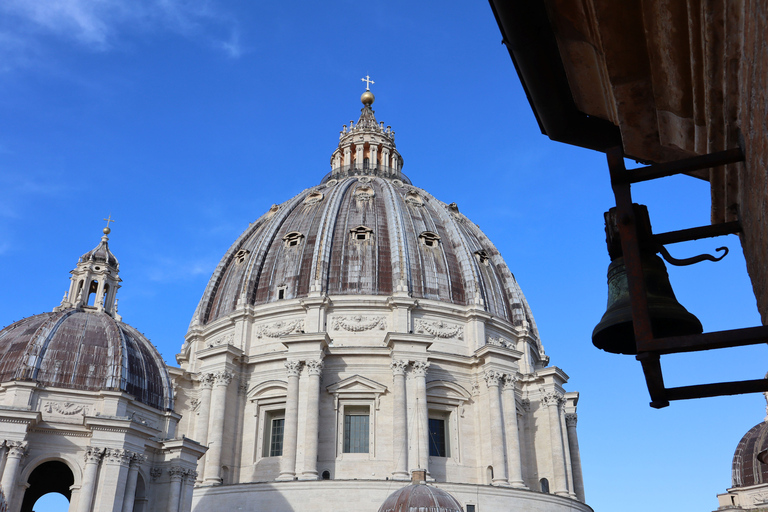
(185, 120)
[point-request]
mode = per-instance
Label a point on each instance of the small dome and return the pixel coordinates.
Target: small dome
(748, 466)
(420, 497)
(101, 253)
(88, 350)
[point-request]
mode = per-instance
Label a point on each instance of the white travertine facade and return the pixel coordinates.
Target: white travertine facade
(359, 331)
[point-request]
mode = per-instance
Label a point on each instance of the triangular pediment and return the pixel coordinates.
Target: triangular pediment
(357, 384)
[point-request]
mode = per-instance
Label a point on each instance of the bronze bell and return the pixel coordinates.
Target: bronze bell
(615, 332)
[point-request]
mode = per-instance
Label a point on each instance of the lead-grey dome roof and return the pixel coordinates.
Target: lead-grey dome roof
(88, 350)
(365, 230)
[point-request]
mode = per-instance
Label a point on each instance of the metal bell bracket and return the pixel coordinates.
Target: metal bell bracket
(650, 349)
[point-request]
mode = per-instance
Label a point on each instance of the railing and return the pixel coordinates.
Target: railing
(379, 170)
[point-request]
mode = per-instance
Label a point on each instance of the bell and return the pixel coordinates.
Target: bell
(615, 332)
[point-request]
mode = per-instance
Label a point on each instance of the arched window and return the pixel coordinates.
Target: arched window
(544, 484)
(326, 475)
(92, 289)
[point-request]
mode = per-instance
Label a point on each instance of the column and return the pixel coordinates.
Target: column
(374, 159)
(112, 480)
(174, 492)
(290, 428)
(552, 402)
(16, 451)
(314, 369)
(216, 428)
(514, 460)
(399, 421)
(187, 487)
(130, 486)
(567, 451)
(422, 414)
(573, 446)
(203, 415)
(90, 473)
(358, 156)
(492, 380)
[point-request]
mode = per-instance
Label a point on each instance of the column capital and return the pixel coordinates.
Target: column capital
(526, 404)
(206, 380)
(492, 378)
(223, 378)
(176, 473)
(293, 367)
(420, 368)
(552, 398)
(190, 474)
(315, 366)
(570, 419)
(510, 379)
(93, 454)
(138, 459)
(117, 456)
(398, 366)
(17, 449)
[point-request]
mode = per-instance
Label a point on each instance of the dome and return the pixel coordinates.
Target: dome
(748, 466)
(85, 350)
(419, 497)
(364, 230)
(101, 253)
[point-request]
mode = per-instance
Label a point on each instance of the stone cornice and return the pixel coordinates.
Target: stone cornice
(228, 350)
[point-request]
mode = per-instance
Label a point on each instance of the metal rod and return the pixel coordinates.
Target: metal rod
(652, 172)
(685, 235)
(654, 379)
(706, 341)
(717, 389)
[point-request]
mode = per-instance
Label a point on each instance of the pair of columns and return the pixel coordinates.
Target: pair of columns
(210, 423)
(17, 450)
(291, 426)
(566, 460)
(178, 475)
(400, 417)
(503, 422)
(117, 472)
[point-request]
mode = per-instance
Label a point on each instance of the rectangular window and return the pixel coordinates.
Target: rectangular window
(438, 446)
(356, 432)
(276, 437)
(470, 508)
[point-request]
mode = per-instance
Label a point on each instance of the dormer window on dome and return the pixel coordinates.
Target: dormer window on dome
(482, 257)
(414, 199)
(361, 233)
(241, 255)
(430, 239)
(364, 193)
(313, 198)
(293, 239)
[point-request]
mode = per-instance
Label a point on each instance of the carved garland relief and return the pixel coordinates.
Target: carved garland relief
(439, 329)
(359, 323)
(279, 329)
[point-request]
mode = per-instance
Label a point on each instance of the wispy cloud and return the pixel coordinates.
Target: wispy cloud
(101, 25)
(165, 270)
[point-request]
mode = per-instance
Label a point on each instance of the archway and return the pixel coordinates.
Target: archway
(51, 476)
(51, 502)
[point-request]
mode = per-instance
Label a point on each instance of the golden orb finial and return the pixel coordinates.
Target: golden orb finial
(367, 98)
(106, 231)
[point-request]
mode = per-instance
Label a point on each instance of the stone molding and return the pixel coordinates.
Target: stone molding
(206, 380)
(525, 404)
(17, 449)
(314, 367)
(118, 456)
(439, 329)
(155, 473)
(420, 368)
(65, 408)
(399, 366)
(492, 378)
(552, 398)
(93, 454)
(359, 323)
(510, 379)
(223, 378)
(499, 342)
(225, 339)
(293, 367)
(280, 329)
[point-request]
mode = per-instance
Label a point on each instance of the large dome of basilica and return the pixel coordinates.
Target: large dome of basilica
(362, 330)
